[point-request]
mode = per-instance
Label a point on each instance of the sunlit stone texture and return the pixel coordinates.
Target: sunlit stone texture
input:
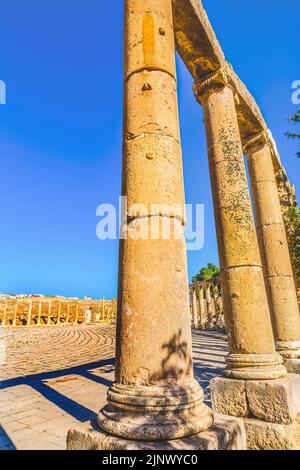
(155, 395)
(252, 354)
(274, 250)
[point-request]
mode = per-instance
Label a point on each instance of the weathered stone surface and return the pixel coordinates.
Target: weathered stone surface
(154, 396)
(229, 397)
(270, 436)
(149, 35)
(275, 401)
(293, 366)
(246, 310)
(280, 285)
(226, 434)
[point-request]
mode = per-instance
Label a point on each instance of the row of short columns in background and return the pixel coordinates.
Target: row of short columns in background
(155, 397)
(206, 306)
(15, 313)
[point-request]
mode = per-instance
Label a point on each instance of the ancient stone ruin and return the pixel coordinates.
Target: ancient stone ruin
(155, 401)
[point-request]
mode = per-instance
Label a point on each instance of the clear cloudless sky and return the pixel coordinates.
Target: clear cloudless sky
(60, 131)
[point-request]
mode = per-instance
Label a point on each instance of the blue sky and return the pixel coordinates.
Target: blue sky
(60, 131)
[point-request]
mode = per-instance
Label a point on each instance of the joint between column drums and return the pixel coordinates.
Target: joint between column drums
(149, 69)
(131, 137)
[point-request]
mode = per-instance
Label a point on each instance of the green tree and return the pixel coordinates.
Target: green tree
(211, 271)
(294, 135)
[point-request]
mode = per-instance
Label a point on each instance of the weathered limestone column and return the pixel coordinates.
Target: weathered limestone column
(274, 250)
(210, 305)
(49, 313)
(250, 337)
(103, 308)
(14, 323)
(76, 314)
(29, 313)
(68, 312)
(4, 313)
(201, 307)
(58, 313)
(195, 307)
(39, 313)
(155, 395)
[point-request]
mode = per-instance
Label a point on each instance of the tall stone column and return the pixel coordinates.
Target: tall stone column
(68, 312)
(155, 395)
(76, 314)
(252, 352)
(195, 308)
(58, 313)
(201, 307)
(274, 250)
(29, 313)
(210, 305)
(14, 323)
(39, 313)
(49, 313)
(103, 309)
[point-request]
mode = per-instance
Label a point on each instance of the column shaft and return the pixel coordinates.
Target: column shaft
(58, 313)
(39, 313)
(201, 307)
(29, 313)
(195, 308)
(155, 396)
(273, 246)
(68, 312)
(49, 313)
(76, 314)
(252, 353)
(14, 323)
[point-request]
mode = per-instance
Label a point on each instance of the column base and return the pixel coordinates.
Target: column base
(270, 409)
(153, 413)
(288, 349)
(255, 366)
(226, 434)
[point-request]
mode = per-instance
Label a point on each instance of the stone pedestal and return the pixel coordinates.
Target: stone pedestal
(270, 409)
(226, 434)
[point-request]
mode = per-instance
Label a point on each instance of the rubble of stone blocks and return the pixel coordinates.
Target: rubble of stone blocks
(270, 409)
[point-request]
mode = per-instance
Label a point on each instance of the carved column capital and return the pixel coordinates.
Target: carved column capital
(211, 83)
(257, 142)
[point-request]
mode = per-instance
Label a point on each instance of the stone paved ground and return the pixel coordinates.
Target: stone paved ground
(56, 377)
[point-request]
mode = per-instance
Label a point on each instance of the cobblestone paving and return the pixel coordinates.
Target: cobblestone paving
(54, 378)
